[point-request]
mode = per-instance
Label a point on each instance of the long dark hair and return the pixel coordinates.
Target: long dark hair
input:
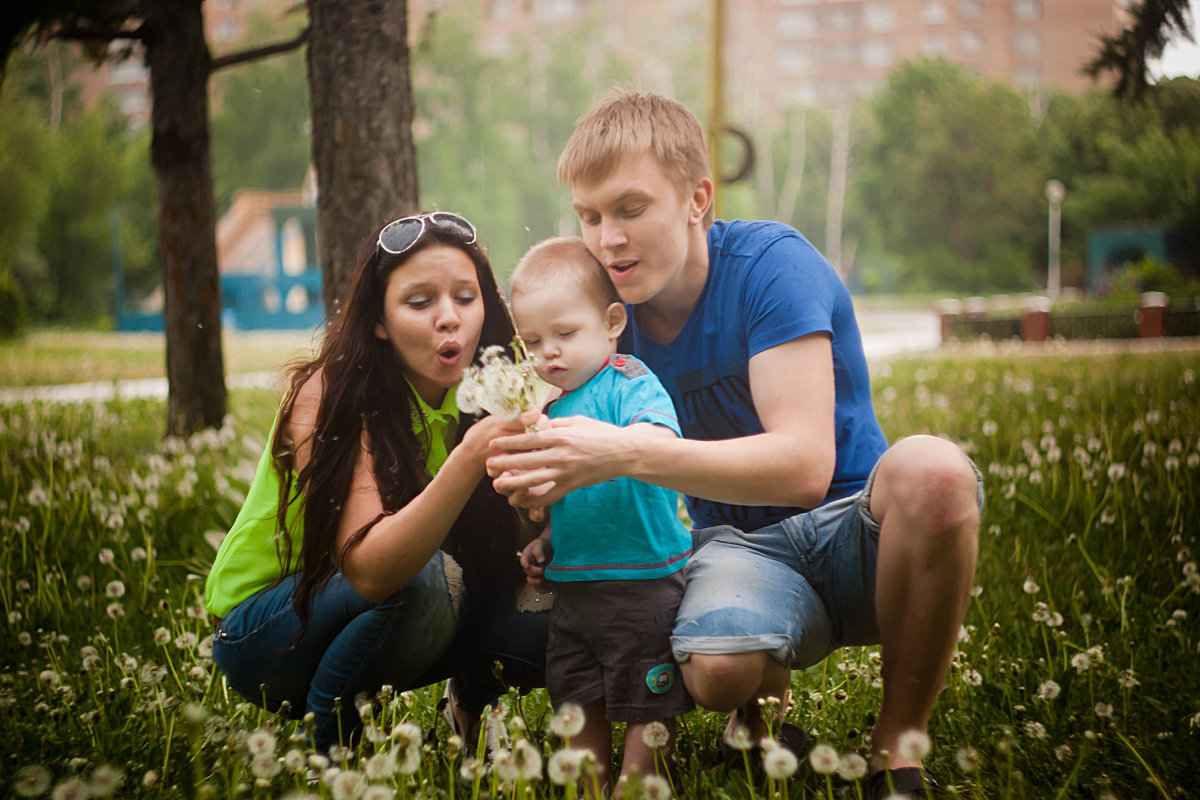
(365, 390)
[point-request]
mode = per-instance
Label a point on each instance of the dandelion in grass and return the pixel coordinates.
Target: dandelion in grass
(318, 762)
(261, 742)
(567, 721)
(379, 793)
(1128, 679)
(381, 766)
(852, 767)
(967, 759)
(1104, 710)
(185, 641)
(1049, 690)
(914, 745)
(48, 678)
(161, 636)
(407, 734)
(1116, 472)
(1081, 662)
(1031, 586)
(823, 759)
(70, 789)
(497, 385)
(527, 760)
(565, 766)
(410, 760)
(340, 754)
(347, 785)
(779, 762)
(114, 590)
(105, 780)
(265, 766)
(24, 638)
(972, 677)
(470, 769)
(1035, 730)
(294, 761)
(31, 781)
(655, 788)
(739, 738)
(1062, 752)
(656, 735)
(506, 769)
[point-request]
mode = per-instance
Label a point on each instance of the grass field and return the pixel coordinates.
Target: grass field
(1077, 673)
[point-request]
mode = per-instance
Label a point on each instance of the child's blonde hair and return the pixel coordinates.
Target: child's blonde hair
(631, 123)
(563, 259)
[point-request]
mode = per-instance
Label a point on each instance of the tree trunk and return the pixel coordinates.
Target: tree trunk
(362, 110)
(179, 151)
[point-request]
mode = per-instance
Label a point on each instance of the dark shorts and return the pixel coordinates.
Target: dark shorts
(611, 641)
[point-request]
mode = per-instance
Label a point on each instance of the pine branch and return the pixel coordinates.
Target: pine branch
(256, 53)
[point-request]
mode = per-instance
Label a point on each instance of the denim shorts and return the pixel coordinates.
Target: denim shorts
(798, 589)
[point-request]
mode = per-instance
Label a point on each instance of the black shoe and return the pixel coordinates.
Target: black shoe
(911, 782)
(791, 737)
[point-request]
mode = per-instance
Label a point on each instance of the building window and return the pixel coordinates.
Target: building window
(879, 17)
(1029, 77)
(878, 53)
(841, 19)
(1027, 9)
(226, 30)
(972, 43)
(933, 45)
(798, 24)
(969, 9)
(1028, 44)
(933, 12)
(792, 62)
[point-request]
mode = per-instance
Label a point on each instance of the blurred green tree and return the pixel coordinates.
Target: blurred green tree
(951, 181)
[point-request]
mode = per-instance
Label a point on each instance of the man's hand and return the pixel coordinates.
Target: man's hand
(538, 469)
(534, 559)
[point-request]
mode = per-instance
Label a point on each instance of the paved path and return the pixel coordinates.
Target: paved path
(885, 333)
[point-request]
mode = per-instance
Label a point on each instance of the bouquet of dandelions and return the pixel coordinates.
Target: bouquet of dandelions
(498, 385)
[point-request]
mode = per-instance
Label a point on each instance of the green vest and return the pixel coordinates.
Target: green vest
(248, 561)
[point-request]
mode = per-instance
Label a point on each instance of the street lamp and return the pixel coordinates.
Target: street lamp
(1054, 193)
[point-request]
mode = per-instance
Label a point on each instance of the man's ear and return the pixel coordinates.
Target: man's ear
(701, 200)
(615, 318)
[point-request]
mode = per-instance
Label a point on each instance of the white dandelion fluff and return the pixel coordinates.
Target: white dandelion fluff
(823, 758)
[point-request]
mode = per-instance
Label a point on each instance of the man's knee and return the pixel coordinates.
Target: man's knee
(723, 682)
(931, 480)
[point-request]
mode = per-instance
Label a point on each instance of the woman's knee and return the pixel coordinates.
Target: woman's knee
(436, 589)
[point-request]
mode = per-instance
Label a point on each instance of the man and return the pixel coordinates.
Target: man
(811, 533)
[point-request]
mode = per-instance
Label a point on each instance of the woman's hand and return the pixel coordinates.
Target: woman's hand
(537, 469)
(477, 439)
(534, 559)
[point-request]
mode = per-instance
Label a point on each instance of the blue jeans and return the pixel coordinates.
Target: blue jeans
(421, 634)
(798, 589)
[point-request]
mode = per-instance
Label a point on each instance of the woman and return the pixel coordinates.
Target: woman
(371, 548)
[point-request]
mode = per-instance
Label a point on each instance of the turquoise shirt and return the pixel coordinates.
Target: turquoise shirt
(621, 529)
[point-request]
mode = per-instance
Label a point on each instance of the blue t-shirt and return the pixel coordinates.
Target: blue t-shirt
(621, 529)
(766, 285)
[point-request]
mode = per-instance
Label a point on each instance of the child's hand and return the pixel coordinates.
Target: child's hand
(534, 558)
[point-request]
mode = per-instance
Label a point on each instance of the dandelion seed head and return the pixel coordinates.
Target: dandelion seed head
(967, 759)
(972, 677)
(410, 760)
(380, 766)
(1081, 662)
(1030, 586)
(1103, 710)
(407, 734)
(823, 759)
(261, 742)
(377, 792)
(70, 789)
(1035, 730)
(739, 738)
(852, 767)
(161, 636)
(347, 785)
(655, 788)
(1049, 690)
(655, 735)
(31, 781)
(913, 745)
(265, 765)
(105, 780)
(114, 590)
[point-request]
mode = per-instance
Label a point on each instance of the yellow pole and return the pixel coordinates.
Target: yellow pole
(716, 98)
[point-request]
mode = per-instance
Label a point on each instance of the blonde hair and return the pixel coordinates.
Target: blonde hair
(627, 122)
(563, 259)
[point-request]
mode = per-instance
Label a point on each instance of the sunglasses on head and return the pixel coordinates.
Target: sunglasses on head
(400, 235)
